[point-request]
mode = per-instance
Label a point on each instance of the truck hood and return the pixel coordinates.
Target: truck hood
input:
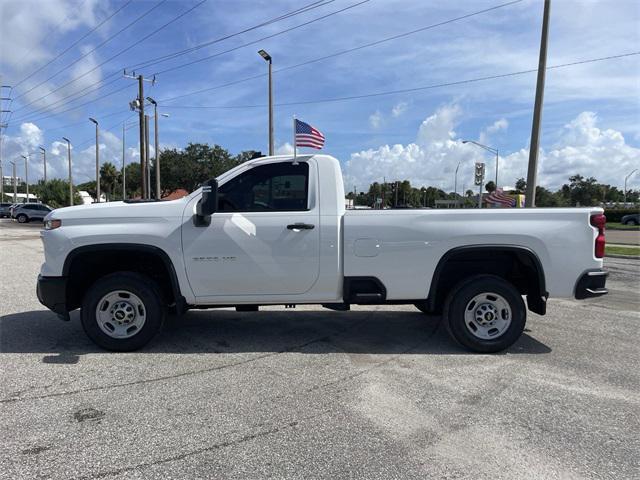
(123, 212)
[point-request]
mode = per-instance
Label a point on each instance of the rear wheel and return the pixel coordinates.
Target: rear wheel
(22, 218)
(123, 311)
(485, 313)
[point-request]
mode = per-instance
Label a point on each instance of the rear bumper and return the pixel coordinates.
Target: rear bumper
(591, 284)
(52, 293)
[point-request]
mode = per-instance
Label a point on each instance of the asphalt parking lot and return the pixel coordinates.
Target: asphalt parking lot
(310, 393)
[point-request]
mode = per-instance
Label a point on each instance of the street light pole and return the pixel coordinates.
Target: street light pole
(15, 182)
(455, 185)
(155, 134)
(93, 120)
(44, 162)
(625, 184)
(70, 177)
(124, 170)
(268, 58)
(26, 173)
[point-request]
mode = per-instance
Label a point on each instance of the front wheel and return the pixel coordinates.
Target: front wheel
(122, 311)
(485, 314)
(22, 218)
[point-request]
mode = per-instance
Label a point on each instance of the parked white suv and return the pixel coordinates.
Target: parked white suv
(275, 231)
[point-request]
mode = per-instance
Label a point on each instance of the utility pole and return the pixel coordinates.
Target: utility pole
(26, 173)
(138, 104)
(532, 172)
(93, 120)
(15, 182)
(146, 155)
(124, 170)
(70, 177)
(44, 162)
(3, 125)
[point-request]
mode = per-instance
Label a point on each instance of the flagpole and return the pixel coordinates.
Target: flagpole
(295, 154)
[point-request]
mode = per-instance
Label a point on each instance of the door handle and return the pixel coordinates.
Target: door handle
(301, 226)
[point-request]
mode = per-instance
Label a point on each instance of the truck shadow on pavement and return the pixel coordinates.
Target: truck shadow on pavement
(226, 332)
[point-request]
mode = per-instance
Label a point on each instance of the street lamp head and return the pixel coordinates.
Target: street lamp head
(42, 149)
(166, 115)
(265, 55)
(465, 141)
(24, 156)
(66, 139)
(152, 101)
(93, 120)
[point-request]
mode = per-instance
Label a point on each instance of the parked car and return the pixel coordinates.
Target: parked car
(631, 219)
(274, 231)
(5, 211)
(27, 212)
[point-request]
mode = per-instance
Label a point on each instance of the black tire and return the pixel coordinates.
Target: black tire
(461, 297)
(22, 218)
(145, 289)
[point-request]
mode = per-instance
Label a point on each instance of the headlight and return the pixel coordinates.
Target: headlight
(52, 224)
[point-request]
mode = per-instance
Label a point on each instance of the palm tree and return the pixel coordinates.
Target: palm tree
(109, 176)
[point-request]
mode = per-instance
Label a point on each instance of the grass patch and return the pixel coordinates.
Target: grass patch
(619, 226)
(631, 251)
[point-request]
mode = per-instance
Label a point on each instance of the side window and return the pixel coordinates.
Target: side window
(274, 187)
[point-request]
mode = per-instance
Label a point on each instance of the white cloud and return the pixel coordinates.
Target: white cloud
(29, 26)
(285, 149)
(582, 148)
(399, 109)
(375, 119)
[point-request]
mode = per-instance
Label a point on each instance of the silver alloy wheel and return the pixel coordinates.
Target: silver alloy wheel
(120, 314)
(22, 219)
(487, 316)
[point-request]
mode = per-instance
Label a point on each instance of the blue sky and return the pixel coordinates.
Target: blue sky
(591, 121)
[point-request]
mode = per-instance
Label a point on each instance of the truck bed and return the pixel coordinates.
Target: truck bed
(402, 247)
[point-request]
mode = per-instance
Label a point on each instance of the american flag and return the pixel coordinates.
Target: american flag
(498, 197)
(307, 136)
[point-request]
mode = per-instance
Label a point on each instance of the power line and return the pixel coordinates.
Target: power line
(298, 11)
(286, 15)
(66, 67)
(87, 90)
(405, 90)
(282, 32)
(75, 43)
(51, 30)
(343, 52)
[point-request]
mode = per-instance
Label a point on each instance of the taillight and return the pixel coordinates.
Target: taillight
(599, 221)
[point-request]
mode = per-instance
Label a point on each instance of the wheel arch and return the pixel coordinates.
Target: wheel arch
(102, 259)
(514, 263)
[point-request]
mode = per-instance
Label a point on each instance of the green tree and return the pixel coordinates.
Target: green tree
(55, 193)
(490, 186)
(194, 165)
(521, 185)
(109, 179)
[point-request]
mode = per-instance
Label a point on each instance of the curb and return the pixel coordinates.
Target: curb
(628, 257)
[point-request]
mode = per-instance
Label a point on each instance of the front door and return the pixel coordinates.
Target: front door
(263, 240)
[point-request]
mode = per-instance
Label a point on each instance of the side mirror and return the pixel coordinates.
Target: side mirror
(208, 204)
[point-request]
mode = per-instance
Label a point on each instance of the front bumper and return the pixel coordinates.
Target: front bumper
(591, 284)
(52, 293)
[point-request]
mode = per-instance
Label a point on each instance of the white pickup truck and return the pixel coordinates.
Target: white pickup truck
(274, 231)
